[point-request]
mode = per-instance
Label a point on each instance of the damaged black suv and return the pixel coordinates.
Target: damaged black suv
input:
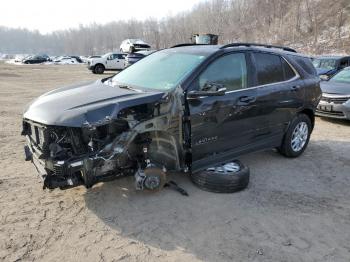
(186, 108)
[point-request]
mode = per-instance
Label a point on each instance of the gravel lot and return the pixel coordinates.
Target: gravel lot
(293, 210)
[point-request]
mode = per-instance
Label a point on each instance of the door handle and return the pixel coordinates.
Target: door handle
(247, 99)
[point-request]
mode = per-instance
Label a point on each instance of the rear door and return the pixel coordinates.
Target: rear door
(223, 124)
(279, 93)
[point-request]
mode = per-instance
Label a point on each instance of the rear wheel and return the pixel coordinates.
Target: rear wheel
(99, 69)
(228, 178)
(297, 136)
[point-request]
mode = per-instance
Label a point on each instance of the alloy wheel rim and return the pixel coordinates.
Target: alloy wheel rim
(299, 136)
(227, 168)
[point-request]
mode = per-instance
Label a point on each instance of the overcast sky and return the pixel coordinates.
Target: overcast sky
(48, 15)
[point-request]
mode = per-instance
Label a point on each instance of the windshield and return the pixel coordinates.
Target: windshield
(324, 63)
(342, 76)
(162, 70)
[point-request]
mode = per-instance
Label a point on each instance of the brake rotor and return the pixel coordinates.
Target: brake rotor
(155, 178)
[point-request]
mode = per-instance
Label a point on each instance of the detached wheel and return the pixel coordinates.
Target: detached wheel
(99, 69)
(227, 178)
(297, 137)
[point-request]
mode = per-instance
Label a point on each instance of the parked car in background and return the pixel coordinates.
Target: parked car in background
(326, 66)
(36, 59)
(84, 59)
(133, 45)
(335, 101)
(132, 58)
(79, 60)
(66, 60)
(20, 57)
(185, 109)
(109, 61)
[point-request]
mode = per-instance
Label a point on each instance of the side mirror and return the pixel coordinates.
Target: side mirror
(324, 77)
(194, 94)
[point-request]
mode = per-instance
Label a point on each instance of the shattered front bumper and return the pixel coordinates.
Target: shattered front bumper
(57, 174)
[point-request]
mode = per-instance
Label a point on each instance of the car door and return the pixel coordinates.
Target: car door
(120, 63)
(279, 93)
(222, 125)
(112, 61)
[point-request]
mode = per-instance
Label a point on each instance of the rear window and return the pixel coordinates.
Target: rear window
(306, 64)
(269, 68)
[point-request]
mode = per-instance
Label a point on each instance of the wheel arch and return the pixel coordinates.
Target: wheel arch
(163, 149)
(100, 64)
(311, 114)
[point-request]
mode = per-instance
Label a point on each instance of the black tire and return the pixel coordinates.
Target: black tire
(286, 148)
(219, 182)
(99, 69)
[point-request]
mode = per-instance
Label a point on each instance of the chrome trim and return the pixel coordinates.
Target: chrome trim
(277, 83)
(328, 95)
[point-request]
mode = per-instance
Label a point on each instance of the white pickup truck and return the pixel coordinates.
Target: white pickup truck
(109, 61)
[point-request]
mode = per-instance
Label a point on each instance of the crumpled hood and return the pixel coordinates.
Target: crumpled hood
(88, 102)
(338, 88)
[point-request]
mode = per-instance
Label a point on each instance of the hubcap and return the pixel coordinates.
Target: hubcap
(299, 136)
(226, 168)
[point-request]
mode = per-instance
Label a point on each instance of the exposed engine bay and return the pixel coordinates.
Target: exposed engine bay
(143, 140)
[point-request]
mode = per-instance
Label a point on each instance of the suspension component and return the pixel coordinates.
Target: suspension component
(152, 178)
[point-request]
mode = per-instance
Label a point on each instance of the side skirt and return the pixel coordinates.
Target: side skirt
(267, 143)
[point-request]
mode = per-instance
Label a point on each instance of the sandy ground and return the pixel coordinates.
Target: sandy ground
(293, 209)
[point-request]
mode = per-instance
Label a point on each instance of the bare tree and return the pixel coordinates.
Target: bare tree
(313, 26)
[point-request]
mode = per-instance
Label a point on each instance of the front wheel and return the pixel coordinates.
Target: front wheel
(99, 69)
(297, 137)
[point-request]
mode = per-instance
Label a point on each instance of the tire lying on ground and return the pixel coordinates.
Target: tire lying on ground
(228, 178)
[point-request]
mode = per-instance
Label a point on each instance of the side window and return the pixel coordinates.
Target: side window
(120, 56)
(229, 70)
(269, 68)
(288, 71)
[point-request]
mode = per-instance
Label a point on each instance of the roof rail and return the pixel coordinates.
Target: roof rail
(262, 45)
(186, 44)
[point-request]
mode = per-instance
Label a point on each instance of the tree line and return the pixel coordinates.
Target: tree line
(312, 26)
